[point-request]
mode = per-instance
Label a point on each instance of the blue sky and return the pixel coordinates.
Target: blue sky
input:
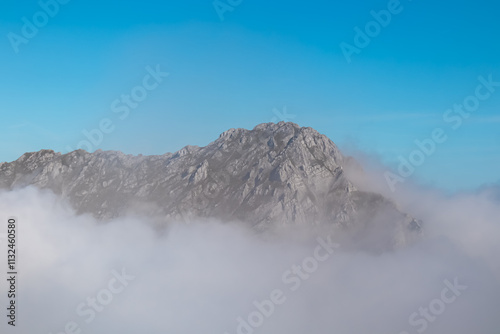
(263, 59)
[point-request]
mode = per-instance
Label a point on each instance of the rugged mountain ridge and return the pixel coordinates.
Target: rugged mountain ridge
(275, 174)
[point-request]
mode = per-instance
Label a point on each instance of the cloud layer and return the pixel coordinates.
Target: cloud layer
(126, 277)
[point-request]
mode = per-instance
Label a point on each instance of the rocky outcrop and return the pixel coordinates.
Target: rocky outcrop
(275, 174)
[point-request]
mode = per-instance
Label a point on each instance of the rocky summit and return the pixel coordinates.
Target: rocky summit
(274, 175)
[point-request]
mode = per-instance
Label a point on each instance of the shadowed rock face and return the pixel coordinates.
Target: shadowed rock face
(274, 175)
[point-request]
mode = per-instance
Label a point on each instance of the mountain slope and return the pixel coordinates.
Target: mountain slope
(274, 175)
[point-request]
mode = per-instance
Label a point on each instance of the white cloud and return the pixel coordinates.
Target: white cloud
(201, 277)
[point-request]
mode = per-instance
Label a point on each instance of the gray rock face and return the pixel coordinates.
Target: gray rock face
(274, 175)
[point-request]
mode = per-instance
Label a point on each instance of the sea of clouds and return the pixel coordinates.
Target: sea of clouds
(79, 275)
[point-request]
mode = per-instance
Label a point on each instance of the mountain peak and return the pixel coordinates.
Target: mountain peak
(275, 126)
(273, 175)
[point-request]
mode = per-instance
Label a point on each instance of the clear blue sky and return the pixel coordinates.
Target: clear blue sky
(264, 56)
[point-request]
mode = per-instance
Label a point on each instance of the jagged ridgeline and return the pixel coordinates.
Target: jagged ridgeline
(275, 174)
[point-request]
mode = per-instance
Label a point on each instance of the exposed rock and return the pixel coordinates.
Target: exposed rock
(274, 175)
